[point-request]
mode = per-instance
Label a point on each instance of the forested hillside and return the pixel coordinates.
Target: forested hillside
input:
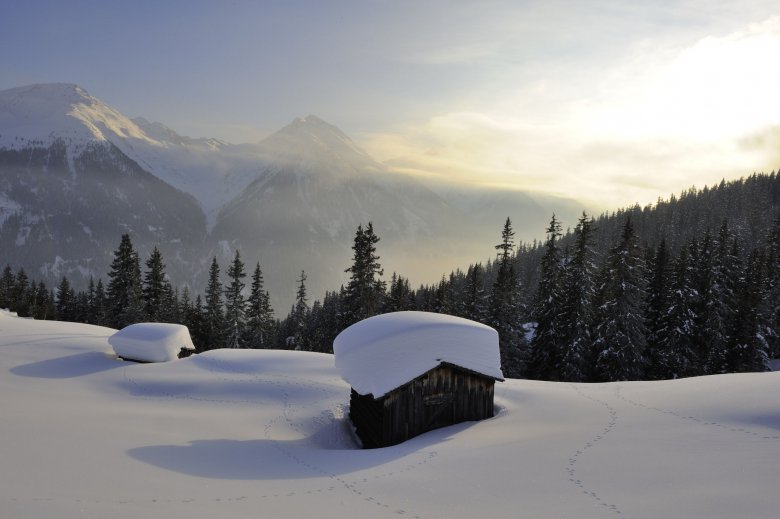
(687, 286)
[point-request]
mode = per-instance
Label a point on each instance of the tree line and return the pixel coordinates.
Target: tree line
(595, 303)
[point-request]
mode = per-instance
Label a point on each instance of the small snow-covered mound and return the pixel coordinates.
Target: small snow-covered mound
(151, 342)
(384, 352)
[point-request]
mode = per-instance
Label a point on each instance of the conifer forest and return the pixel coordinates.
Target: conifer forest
(684, 287)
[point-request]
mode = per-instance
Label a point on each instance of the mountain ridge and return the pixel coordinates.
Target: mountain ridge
(292, 200)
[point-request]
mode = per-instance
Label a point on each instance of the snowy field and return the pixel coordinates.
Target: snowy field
(263, 434)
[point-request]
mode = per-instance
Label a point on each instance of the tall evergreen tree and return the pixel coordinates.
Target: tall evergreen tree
(674, 352)
(125, 301)
(297, 320)
(399, 297)
(505, 313)
(21, 293)
(473, 304)
(99, 303)
(749, 350)
(546, 355)
(365, 289)
(260, 329)
(157, 290)
(66, 303)
(576, 312)
(773, 291)
(235, 306)
(620, 338)
(213, 312)
(7, 281)
(717, 271)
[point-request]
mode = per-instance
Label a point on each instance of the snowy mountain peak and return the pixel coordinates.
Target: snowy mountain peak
(41, 113)
(311, 143)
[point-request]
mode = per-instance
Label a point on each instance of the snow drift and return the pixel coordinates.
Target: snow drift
(151, 342)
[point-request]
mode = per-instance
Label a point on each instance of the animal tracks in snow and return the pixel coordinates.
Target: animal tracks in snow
(572, 467)
(695, 419)
(294, 395)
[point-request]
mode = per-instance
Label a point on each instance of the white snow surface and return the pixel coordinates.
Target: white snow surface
(384, 352)
(151, 342)
(247, 434)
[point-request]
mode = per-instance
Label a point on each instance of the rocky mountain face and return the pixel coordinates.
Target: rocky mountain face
(75, 174)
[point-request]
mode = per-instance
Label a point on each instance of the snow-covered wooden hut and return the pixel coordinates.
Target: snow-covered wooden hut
(412, 372)
(152, 342)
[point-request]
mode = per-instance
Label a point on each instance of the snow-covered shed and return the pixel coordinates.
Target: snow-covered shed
(412, 372)
(152, 342)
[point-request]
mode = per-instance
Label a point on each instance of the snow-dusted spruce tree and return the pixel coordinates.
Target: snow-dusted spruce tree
(157, 290)
(399, 297)
(505, 312)
(576, 313)
(748, 347)
(66, 304)
(296, 322)
(620, 335)
(545, 346)
(235, 306)
(260, 325)
(365, 289)
(473, 303)
(213, 313)
(194, 319)
(773, 291)
(674, 352)
(658, 295)
(717, 269)
(6, 287)
(21, 293)
(125, 301)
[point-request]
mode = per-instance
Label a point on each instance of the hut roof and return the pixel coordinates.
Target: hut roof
(384, 352)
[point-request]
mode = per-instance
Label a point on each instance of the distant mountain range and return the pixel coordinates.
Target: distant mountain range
(75, 174)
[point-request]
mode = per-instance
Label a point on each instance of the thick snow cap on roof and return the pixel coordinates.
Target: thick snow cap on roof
(382, 353)
(151, 342)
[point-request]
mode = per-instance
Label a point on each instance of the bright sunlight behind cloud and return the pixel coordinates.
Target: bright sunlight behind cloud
(659, 115)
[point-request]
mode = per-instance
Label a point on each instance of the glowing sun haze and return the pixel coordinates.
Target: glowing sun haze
(608, 102)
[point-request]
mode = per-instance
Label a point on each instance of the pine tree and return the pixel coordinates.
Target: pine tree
(235, 306)
(773, 291)
(125, 301)
(674, 353)
(157, 291)
(213, 314)
(399, 297)
(99, 304)
(260, 329)
(365, 290)
(66, 304)
(546, 356)
(21, 294)
(44, 304)
(195, 322)
(748, 349)
(505, 314)
(576, 313)
(717, 271)
(473, 305)
(298, 316)
(7, 282)
(620, 338)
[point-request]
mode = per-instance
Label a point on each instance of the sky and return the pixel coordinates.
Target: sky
(608, 102)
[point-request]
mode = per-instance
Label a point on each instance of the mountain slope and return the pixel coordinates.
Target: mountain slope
(76, 173)
(314, 190)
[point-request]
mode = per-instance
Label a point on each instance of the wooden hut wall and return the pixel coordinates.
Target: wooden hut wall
(443, 396)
